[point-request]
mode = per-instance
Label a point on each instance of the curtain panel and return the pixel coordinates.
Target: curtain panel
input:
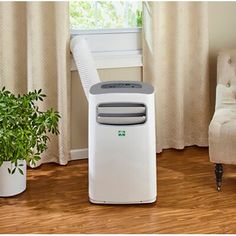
(34, 54)
(175, 47)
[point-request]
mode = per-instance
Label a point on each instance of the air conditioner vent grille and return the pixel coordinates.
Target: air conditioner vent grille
(121, 113)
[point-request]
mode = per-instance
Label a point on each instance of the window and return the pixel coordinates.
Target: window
(112, 29)
(105, 15)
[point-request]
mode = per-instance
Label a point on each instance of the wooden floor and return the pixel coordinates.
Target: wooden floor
(56, 201)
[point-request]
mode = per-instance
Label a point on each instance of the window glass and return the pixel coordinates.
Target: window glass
(85, 15)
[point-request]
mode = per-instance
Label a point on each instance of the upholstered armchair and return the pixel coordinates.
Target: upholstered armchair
(222, 129)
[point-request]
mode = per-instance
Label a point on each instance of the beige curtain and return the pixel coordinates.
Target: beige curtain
(175, 46)
(34, 54)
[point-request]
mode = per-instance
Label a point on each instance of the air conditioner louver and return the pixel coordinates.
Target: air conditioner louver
(121, 113)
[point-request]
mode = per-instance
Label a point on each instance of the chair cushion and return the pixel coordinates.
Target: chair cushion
(222, 135)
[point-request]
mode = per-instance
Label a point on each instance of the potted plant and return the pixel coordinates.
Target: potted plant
(23, 137)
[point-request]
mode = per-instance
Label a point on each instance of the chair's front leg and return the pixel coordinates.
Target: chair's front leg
(219, 173)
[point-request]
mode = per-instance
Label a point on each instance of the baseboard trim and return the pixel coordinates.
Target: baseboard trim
(78, 154)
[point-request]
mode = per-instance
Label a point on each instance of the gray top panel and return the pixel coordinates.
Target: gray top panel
(121, 87)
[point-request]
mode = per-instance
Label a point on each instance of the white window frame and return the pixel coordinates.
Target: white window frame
(113, 48)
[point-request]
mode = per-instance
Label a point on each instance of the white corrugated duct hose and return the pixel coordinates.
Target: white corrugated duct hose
(84, 62)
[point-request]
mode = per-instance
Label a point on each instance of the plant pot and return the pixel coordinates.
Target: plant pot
(12, 184)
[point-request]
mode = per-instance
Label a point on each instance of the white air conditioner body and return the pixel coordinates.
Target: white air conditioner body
(122, 152)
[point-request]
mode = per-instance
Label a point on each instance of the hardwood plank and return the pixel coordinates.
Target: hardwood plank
(56, 201)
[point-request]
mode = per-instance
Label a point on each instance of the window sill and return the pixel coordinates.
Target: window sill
(75, 32)
(106, 60)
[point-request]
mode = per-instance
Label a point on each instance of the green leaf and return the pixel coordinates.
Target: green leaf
(14, 170)
(37, 158)
(33, 162)
(21, 171)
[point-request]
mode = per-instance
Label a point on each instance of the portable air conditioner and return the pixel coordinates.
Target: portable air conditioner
(122, 153)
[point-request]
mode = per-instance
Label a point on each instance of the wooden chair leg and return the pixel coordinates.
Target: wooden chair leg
(219, 173)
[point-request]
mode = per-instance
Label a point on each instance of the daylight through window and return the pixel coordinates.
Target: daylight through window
(86, 15)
